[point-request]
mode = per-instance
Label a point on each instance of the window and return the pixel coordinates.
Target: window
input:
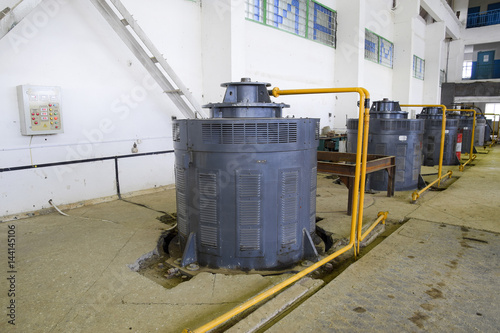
(492, 108)
(322, 24)
(467, 69)
(305, 18)
(378, 49)
(418, 67)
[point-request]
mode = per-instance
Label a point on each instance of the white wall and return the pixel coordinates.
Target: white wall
(434, 54)
(108, 102)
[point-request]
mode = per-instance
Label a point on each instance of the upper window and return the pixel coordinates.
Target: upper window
(418, 67)
(306, 18)
(467, 69)
(378, 49)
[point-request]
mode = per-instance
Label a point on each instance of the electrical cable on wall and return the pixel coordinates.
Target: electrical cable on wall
(31, 155)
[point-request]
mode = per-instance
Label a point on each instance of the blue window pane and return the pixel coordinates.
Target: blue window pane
(256, 14)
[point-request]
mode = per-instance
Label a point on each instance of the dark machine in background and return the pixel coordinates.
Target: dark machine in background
(392, 133)
(433, 118)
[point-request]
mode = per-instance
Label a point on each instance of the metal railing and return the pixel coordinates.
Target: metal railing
(482, 19)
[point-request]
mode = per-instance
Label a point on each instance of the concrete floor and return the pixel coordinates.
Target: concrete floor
(438, 272)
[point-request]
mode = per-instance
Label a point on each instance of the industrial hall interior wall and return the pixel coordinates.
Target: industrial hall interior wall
(112, 107)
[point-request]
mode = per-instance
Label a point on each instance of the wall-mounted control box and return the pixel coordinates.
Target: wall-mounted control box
(39, 109)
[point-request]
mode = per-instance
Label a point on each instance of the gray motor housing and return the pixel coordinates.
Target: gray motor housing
(479, 132)
(465, 128)
(488, 130)
(246, 183)
(391, 134)
(432, 137)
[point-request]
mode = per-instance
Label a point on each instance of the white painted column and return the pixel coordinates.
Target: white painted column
(349, 60)
(462, 7)
(435, 34)
(455, 60)
(223, 41)
(406, 13)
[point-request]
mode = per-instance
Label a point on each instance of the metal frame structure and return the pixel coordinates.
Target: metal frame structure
(150, 57)
(334, 163)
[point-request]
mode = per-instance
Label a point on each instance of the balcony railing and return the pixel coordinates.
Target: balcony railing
(482, 19)
(472, 71)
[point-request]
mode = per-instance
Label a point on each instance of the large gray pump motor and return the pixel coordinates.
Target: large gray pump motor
(391, 133)
(246, 183)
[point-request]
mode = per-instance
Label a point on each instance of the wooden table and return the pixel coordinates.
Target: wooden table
(344, 165)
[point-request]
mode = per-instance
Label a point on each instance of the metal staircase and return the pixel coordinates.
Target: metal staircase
(149, 56)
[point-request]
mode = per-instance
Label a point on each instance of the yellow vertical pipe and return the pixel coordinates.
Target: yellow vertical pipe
(473, 133)
(361, 154)
(363, 170)
(443, 130)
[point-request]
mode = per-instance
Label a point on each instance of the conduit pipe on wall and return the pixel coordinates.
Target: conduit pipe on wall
(472, 157)
(415, 195)
(359, 185)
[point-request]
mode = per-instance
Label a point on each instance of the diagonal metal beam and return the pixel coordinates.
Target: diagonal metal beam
(172, 86)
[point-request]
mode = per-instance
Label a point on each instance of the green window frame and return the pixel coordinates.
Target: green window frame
(305, 18)
(418, 67)
(378, 49)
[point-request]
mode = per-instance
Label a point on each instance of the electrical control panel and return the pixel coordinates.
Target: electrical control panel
(40, 109)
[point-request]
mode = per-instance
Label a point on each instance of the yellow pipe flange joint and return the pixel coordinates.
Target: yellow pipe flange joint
(276, 92)
(450, 173)
(384, 214)
(415, 196)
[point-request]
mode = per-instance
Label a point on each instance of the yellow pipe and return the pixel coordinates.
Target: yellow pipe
(472, 157)
(415, 195)
(382, 216)
(443, 130)
(363, 169)
(359, 151)
(262, 296)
